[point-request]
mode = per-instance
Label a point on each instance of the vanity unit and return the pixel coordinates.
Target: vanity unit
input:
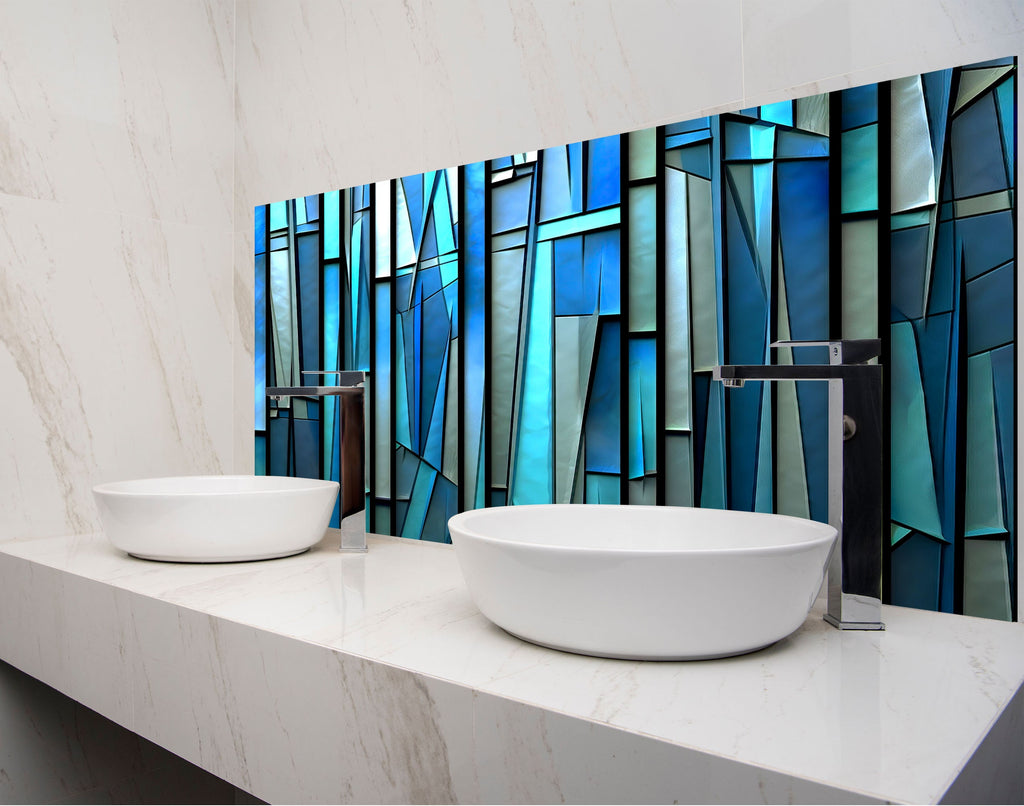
(372, 678)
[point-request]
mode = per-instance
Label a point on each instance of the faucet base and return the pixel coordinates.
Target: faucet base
(853, 625)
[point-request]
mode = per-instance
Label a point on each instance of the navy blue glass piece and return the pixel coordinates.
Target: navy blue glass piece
(812, 398)
(309, 300)
(860, 106)
(406, 465)
(909, 264)
(937, 86)
(603, 172)
(277, 430)
(987, 241)
(990, 310)
(916, 571)
(746, 296)
(307, 448)
(700, 383)
(976, 140)
(444, 502)
(261, 229)
(744, 407)
(602, 418)
(260, 459)
(803, 237)
(934, 336)
(940, 295)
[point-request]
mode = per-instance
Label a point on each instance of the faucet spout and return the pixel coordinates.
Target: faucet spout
(854, 469)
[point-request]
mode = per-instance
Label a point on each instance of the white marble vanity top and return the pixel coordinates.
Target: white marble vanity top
(822, 715)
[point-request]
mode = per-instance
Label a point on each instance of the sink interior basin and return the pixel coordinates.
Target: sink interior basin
(638, 582)
(202, 519)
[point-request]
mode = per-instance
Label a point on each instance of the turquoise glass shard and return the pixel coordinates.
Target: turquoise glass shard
(530, 479)
(912, 483)
(860, 170)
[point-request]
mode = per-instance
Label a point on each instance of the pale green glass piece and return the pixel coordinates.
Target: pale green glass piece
(860, 279)
(913, 480)
(913, 164)
(642, 259)
(575, 339)
(812, 113)
(974, 82)
(984, 505)
(986, 580)
(450, 452)
(791, 481)
(678, 470)
(677, 303)
(643, 154)
(284, 321)
(506, 289)
(989, 203)
(914, 218)
(643, 492)
(703, 295)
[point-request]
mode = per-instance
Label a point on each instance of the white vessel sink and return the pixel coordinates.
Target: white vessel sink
(210, 519)
(645, 583)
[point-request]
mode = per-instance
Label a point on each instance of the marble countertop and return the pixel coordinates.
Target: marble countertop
(824, 714)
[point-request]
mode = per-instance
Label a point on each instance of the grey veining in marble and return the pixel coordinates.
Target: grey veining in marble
(326, 677)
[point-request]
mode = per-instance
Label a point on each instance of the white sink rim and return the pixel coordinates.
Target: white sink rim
(213, 519)
(611, 600)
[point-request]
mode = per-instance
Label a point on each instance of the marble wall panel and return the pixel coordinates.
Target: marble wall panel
(116, 299)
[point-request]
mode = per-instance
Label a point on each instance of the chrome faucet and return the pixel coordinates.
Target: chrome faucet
(854, 599)
(350, 387)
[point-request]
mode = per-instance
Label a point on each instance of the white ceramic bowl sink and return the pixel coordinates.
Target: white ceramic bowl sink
(647, 583)
(210, 519)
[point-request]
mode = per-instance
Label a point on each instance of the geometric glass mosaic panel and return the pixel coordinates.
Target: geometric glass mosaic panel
(541, 327)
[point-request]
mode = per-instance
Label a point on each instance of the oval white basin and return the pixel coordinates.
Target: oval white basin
(210, 519)
(638, 582)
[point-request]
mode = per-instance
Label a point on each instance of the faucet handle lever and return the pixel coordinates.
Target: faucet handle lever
(841, 351)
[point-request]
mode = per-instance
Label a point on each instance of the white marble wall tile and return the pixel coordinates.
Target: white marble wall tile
(115, 343)
(808, 46)
(120, 106)
(333, 95)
